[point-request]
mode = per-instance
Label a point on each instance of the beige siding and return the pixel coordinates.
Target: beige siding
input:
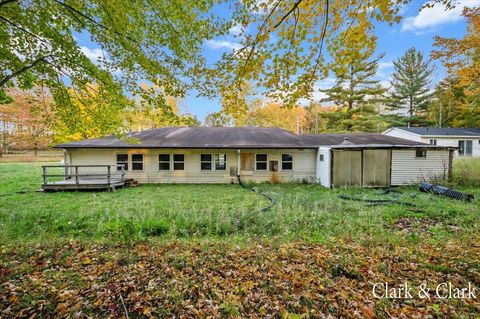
(406, 169)
(303, 165)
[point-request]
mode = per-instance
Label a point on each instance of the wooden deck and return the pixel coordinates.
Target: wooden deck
(96, 177)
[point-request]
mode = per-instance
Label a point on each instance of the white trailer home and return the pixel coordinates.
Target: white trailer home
(221, 155)
(467, 140)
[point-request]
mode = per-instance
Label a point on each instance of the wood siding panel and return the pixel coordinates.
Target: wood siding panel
(347, 168)
(376, 167)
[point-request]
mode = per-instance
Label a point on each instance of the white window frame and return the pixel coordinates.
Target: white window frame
(169, 162)
(421, 157)
(281, 162)
(214, 160)
(266, 162)
(122, 162)
(465, 148)
(132, 162)
(201, 162)
(173, 161)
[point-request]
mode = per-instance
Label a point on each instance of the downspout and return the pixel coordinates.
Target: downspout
(317, 163)
(238, 164)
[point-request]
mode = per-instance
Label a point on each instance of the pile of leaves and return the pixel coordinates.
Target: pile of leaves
(191, 280)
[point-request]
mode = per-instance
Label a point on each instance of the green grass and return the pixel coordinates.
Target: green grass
(223, 212)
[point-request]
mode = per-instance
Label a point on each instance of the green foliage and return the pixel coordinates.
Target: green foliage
(410, 83)
(355, 70)
(217, 119)
(151, 40)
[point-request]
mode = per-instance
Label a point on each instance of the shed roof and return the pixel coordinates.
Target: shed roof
(442, 131)
(240, 137)
(358, 139)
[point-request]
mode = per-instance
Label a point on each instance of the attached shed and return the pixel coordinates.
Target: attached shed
(374, 160)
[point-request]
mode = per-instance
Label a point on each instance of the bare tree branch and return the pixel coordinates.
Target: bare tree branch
(324, 32)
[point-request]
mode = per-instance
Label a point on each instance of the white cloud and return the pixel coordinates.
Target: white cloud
(236, 30)
(223, 44)
(93, 54)
(385, 65)
(429, 18)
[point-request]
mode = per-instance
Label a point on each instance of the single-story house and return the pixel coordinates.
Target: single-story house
(466, 139)
(218, 154)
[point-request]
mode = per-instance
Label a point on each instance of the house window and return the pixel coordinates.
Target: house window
(220, 162)
(321, 157)
(164, 162)
(287, 162)
(206, 162)
(421, 153)
(465, 148)
(122, 160)
(137, 162)
(433, 142)
(178, 162)
(261, 162)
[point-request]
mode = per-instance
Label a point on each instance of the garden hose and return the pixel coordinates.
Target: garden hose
(272, 200)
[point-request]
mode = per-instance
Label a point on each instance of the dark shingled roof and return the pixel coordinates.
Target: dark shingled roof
(239, 137)
(445, 131)
(358, 139)
(199, 137)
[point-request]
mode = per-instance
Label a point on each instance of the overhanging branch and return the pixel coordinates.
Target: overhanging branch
(23, 69)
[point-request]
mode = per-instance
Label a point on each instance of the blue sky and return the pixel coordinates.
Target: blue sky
(416, 30)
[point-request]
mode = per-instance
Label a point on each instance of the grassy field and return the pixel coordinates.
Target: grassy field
(307, 212)
(206, 250)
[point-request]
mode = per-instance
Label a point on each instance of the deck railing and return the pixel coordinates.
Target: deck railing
(72, 171)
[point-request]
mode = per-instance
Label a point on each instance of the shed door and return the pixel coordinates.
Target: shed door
(347, 168)
(376, 167)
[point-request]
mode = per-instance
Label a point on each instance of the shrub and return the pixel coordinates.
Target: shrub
(466, 171)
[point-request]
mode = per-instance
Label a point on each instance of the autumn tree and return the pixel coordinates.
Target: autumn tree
(274, 114)
(410, 82)
(28, 119)
(89, 115)
(156, 41)
(282, 44)
(217, 119)
(354, 68)
(461, 57)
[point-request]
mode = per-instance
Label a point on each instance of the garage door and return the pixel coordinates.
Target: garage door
(347, 168)
(376, 167)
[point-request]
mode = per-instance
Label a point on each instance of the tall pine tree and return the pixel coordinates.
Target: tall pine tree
(410, 83)
(355, 69)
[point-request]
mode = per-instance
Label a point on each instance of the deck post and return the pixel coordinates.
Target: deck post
(44, 175)
(108, 174)
(76, 175)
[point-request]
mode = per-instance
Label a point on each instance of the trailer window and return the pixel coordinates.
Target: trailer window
(261, 162)
(206, 162)
(421, 153)
(164, 162)
(122, 160)
(220, 162)
(137, 162)
(178, 162)
(287, 162)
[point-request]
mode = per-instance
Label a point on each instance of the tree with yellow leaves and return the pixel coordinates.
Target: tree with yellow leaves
(461, 57)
